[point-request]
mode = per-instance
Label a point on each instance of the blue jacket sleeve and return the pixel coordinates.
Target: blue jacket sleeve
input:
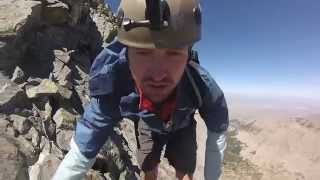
(96, 123)
(102, 112)
(214, 112)
(214, 109)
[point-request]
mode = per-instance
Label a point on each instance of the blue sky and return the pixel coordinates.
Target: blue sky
(262, 46)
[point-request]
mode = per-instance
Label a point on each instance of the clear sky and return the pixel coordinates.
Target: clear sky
(262, 46)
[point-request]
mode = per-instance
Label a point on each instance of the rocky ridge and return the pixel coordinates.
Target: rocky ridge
(46, 50)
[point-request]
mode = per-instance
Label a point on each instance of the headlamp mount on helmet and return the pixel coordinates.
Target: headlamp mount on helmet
(159, 23)
(157, 15)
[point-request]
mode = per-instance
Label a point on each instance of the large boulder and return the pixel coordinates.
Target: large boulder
(45, 167)
(64, 138)
(62, 55)
(64, 119)
(45, 88)
(27, 149)
(18, 76)
(15, 12)
(33, 135)
(11, 97)
(20, 123)
(55, 12)
(12, 164)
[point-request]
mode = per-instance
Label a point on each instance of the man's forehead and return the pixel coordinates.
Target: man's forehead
(159, 49)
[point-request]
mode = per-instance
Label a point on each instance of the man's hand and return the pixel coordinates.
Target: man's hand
(215, 146)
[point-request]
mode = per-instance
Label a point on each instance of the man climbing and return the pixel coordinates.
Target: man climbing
(150, 73)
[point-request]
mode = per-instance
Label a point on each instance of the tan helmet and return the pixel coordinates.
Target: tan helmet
(159, 23)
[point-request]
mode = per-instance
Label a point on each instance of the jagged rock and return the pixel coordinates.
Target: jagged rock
(10, 132)
(49, 129)
(127, 175)
(94, 175)
(27, 149)
(61, 71)
(57, 67)
(33, 136)
(3, 123)
(18, 76)
(46, 40)
(67, 84)
(23, 85)
(47, 111)
(108, 176)
(14, 12)
(64, 138)
(23, 112)
(45, 88)
(34, 81)
(62, 55)
(20, 123)
(82, 93)
(117, 156)
(65, 93)
(64, 119)
(64, 76)
(56, 13)
(82, 73)
(102, 19)
(45, 167)
(52, 149)
(11, 97)
(12, 164)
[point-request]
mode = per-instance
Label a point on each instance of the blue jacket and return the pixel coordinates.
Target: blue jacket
(113, 97)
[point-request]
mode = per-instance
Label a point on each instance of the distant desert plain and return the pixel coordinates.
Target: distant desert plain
(269, 138)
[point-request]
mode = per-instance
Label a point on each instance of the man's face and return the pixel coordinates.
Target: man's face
(157, 71)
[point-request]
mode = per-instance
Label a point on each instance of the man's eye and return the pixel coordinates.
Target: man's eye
(143, 52)
(175, 53)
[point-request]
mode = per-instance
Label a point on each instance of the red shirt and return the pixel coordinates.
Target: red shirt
(164, 110)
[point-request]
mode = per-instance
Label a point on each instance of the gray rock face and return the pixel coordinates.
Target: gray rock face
(11, 97)
(94, 175)
(51, 148)
(64, 76)
(109, 176)
(12, 165)
(34, 81)
(45, 167)
(27, 149)
(56, 13)
(18, 76)
(47, 111)
(65, 93)
(61, 70)
(3, 123)
(20, 123)
(62, 55)
(9, 20)
(64, 138)
(45, 88)
(54, 42)
(64, 119)
(33, 136)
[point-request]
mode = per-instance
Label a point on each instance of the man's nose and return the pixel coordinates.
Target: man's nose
(159, 69)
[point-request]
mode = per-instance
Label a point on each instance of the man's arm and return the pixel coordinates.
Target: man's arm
(92, 130)
(214, 111)
(215, 147)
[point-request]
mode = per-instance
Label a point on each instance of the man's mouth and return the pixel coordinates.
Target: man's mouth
(157, 85)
